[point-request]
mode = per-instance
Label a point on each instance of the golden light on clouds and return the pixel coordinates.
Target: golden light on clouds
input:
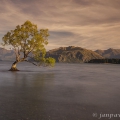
(92, 24)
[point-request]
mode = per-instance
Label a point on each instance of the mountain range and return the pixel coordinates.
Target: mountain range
(6, 54)
(109, 53)
(73, 54)
(69, 54)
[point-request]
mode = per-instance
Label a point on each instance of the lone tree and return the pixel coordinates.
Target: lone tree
(28, 43)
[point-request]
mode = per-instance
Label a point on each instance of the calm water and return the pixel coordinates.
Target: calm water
(65, 92)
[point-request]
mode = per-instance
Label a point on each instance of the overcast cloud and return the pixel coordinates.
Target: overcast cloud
(91, 24)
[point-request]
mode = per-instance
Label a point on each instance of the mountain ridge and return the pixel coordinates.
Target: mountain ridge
(109, 53)
(6, 54)
(69, 54)
(73, 54)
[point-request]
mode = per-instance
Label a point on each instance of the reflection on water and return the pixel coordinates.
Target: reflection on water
(65, 92)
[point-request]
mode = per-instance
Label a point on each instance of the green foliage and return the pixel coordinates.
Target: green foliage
(28, 39)
(40, 58)
(50, 61)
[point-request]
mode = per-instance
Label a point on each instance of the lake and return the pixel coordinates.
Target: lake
(64, 92)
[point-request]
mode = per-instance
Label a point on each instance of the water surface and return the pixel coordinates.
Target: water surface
(65, 92)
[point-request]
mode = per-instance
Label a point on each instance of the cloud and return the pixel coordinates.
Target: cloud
(90, 24)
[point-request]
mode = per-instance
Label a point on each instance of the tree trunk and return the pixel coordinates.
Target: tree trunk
(13, 67)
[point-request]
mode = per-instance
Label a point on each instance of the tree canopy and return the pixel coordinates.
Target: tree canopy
(28, 42)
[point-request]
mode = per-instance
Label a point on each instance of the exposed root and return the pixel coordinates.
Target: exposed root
(13, 69)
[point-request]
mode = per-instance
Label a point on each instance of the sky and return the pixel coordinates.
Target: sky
(90, 24)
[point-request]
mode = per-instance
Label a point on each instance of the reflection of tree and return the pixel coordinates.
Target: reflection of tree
(30, 91)
(32, 80)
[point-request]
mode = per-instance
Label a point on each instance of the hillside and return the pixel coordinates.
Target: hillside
(6, 54)
(73, 54)
(109, 53)
(69, 54)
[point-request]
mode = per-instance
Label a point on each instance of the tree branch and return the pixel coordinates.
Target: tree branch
(15, 51)
(31, 62)
(25, 43)
(18, 51)
(30, 51)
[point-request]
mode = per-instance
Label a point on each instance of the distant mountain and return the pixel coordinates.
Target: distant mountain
(6, 54)
(109, 53)
(69, 54)
(73, 54)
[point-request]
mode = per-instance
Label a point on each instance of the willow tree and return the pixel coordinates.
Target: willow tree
(28, 43)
